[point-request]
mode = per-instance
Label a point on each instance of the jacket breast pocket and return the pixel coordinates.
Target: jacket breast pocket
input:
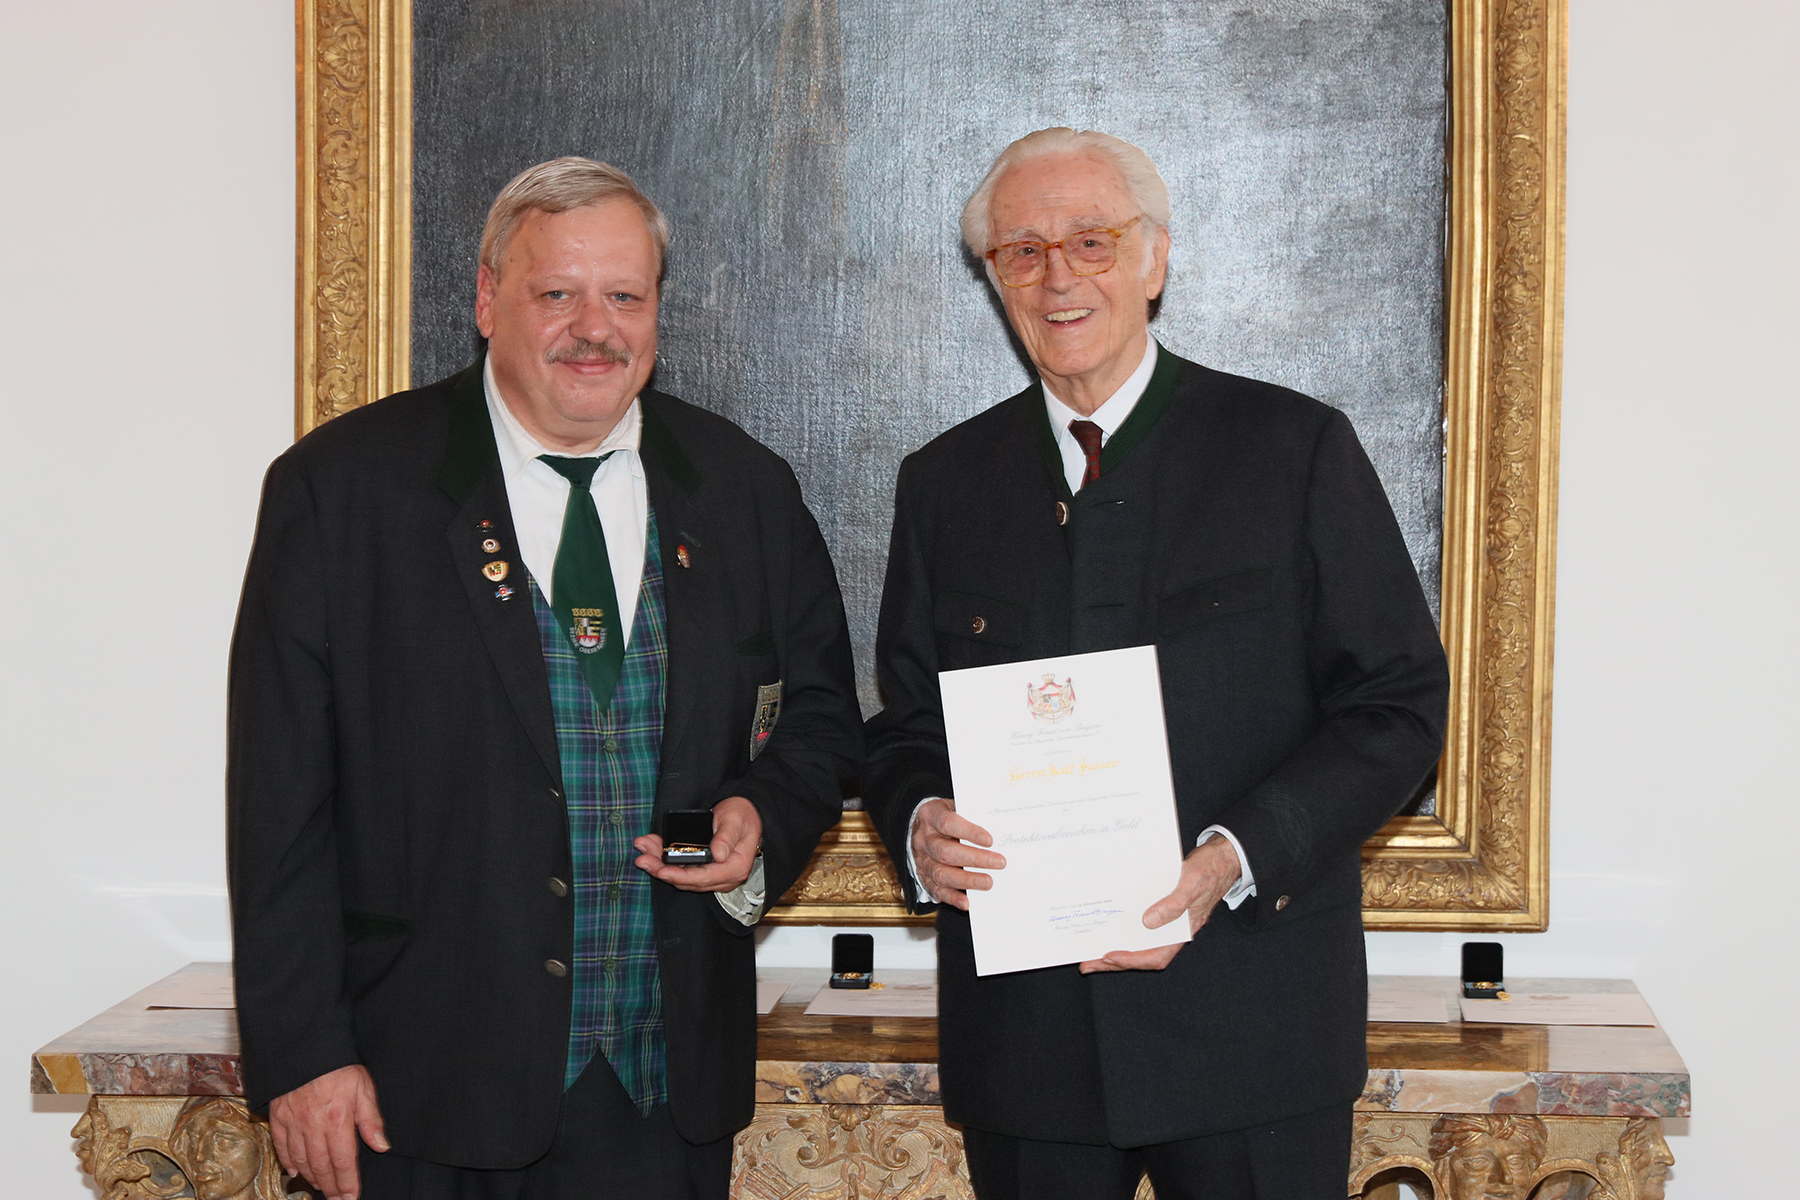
(1209, 599)
(979, 619)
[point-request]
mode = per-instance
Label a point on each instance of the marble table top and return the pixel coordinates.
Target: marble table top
(1555, 1070)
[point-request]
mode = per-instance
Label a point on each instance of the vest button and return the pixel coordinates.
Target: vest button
(610, 745)
(617, 817)
(978, 625)
(556, 968)
(614, 891)
(558, 887)
(611, 965)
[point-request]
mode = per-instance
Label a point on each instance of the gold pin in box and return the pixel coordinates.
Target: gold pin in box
(687, 837)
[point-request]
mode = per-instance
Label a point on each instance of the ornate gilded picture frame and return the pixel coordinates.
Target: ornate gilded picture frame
(1481, 860)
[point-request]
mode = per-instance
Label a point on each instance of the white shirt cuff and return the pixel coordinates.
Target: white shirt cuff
(746, 901)
(1246, 884)
(912, 866)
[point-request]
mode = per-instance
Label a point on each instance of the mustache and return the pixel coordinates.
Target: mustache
(583, 351)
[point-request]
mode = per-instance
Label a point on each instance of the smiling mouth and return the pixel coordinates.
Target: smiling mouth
(1067, 315)
(588, 354)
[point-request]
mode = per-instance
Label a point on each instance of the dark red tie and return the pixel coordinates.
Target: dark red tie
(1088, 435)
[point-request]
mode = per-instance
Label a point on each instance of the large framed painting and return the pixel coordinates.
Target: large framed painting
(1368, 208)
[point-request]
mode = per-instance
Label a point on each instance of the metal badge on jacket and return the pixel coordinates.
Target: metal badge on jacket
(768, 711)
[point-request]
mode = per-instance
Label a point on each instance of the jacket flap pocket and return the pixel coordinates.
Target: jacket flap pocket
(757, 645)
(1234, 592)
(980, 619)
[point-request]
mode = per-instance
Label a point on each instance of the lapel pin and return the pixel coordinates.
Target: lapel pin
(495, 570)
(490, 546)
(484, 525)
(681, 555)
(503, 592)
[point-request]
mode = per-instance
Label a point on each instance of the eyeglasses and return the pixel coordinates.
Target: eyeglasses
(1090, 252)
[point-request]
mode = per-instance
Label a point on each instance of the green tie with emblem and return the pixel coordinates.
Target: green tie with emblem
(581, 584)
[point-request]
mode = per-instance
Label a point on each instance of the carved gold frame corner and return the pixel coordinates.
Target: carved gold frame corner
(1482, 862)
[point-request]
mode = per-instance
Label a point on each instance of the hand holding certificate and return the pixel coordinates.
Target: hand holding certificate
(1065, 764)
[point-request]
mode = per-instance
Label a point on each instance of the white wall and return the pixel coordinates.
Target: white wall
(146, 331)
(145, 323)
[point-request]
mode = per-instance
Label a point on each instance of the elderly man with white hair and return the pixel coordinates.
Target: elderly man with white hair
(1130, 497)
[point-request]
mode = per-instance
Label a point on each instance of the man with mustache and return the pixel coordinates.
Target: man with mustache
(1129, 498)
(492, 631)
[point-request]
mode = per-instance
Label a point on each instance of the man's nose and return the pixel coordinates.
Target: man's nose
(593, 320)
(1057, 275)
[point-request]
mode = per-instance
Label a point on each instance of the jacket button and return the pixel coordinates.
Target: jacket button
(978, 625)
(556, 793)
(558, 887)
(556, 968)
(1281, 903)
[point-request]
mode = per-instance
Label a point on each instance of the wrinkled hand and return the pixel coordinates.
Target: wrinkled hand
(1207, 873)
(315, 1127)
(942, 853)
(737, 834)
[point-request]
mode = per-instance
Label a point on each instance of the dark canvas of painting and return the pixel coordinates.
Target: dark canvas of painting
(814, 155)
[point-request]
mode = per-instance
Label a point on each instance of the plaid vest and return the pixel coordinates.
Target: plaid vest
(609, 769)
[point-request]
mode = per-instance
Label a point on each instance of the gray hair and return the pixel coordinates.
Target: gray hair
(1143, 183)
(558, 186)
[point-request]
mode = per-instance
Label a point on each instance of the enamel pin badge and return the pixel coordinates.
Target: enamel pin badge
(496, 570)
(768, 711)
(1050, 701)
(587, 632)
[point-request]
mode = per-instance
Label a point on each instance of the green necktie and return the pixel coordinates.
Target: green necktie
(585, 602)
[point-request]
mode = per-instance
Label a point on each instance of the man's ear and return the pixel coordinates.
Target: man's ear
(485, 283)
(1158, 273)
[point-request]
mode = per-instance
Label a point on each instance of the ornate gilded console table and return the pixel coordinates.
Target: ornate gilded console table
(850, 1107)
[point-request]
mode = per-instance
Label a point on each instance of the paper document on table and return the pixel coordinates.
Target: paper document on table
(1561, 1008)
(1066, 763)
(1391, 1003)
(196, 991)
(880, 999)
(768, 994)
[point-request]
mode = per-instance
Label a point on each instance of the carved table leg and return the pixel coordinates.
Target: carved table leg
(1466, 1156)
(163, 1147)
(832, 1151)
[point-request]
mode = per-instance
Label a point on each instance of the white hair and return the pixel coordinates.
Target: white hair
(558, 186)
(1143, 183)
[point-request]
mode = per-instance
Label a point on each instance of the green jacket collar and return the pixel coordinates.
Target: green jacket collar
(1158, 394)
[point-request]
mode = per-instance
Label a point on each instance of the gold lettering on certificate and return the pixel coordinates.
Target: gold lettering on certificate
(1080, 768)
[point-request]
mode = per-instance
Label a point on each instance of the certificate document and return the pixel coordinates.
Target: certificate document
(1066, 763)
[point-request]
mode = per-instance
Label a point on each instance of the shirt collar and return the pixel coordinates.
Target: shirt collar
(1110, 415)
(519, 450)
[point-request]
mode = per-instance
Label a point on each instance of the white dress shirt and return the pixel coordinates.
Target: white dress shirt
(538, 495)
(1109, 417)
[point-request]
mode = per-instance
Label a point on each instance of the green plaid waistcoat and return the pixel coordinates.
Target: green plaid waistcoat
(609, 768)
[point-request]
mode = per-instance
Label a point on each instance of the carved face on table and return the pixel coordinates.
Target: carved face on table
(1644, 1147)
(1488, 1157)
(219, 1149)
